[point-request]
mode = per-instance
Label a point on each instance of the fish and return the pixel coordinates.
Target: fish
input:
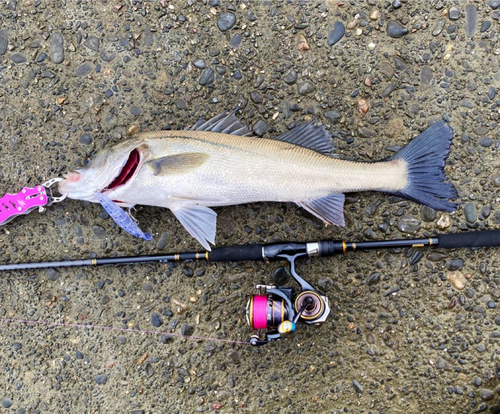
(219, 163)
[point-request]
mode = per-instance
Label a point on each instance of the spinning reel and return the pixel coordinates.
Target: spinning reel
(279, 309)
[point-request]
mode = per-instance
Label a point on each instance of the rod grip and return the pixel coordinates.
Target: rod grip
(236, 253)
(488, 238)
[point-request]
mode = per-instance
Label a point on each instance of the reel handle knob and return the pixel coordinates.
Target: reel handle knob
(255, 341)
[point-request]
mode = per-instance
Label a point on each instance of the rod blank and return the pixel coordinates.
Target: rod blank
(487, 238)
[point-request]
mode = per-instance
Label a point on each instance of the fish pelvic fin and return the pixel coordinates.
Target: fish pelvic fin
(330, 209)
(199, 221)
(310, 135)
(425, 158)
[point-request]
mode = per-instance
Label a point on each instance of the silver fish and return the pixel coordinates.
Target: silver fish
(217, 163)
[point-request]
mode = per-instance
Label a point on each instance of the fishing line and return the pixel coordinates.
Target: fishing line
(6, 321)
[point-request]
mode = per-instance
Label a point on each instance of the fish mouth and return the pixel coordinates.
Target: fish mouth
(127, 172)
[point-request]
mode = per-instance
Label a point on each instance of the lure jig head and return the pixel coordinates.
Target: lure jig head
(28, 199)
(279, 309)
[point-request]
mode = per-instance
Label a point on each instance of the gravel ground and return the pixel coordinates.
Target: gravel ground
(409, 333)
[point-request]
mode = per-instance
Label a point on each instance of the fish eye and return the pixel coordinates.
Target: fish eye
(86, 161)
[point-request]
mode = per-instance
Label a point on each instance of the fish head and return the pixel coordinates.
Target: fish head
(106, 171)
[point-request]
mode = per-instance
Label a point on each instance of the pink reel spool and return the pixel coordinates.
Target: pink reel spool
(266, 312)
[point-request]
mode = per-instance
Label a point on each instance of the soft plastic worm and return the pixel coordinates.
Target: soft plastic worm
(121, 217)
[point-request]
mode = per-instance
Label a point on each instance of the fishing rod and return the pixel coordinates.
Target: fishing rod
(278, 308)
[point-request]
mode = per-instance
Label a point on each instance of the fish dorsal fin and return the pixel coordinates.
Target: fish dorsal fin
(225, 123)
(177, 163)
(330, 209)
(310, 135)
(199, 221)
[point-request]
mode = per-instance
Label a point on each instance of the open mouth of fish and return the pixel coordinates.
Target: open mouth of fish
(127, 172)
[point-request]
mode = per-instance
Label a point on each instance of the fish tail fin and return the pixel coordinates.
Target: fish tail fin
(425, 157)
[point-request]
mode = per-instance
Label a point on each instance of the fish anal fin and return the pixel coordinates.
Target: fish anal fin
(330, 209)
(310, 135)
(199, 221)
(177, 163)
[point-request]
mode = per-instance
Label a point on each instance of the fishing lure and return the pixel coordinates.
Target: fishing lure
(120, 217)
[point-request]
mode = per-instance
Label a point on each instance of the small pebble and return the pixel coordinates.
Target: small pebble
(396, 4)
(188, 272)
(494, 4)
(200, 63)
(18, 58)
(101, 379)
(495, 180)
(4, 41)
(236, 40)
(486, 395)
(444, 221)
(408, 224)
(92, 43)
(336, 33)
(485, 26)
(457, 279)
(471, 20)
(226, 21)
(454, 13)
(396, 29)
(438, 26)
(163, 240)
(305, 88)
(477, 381)
(333, 116)
(187, 330)
(491, 92)
(85, 139)
(415, 257)
(56, 48)
(136, 110)
(84, 69)
(99, 232)
(486, 142)
(6, 403)
(260, 128)
(291, 78)
(470, 212)
(156, 320)
(302, 43)
(107, 56)
(357, 387)
(375, 14)
(455, 264)
(207, 77)
(256, 97)
(428, 214)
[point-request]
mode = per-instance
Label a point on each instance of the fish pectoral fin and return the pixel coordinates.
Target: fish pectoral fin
(199, 221)
(330, 209)
(177, 163)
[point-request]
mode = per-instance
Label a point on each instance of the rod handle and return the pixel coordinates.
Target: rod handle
(488, 238)
(236, 253)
